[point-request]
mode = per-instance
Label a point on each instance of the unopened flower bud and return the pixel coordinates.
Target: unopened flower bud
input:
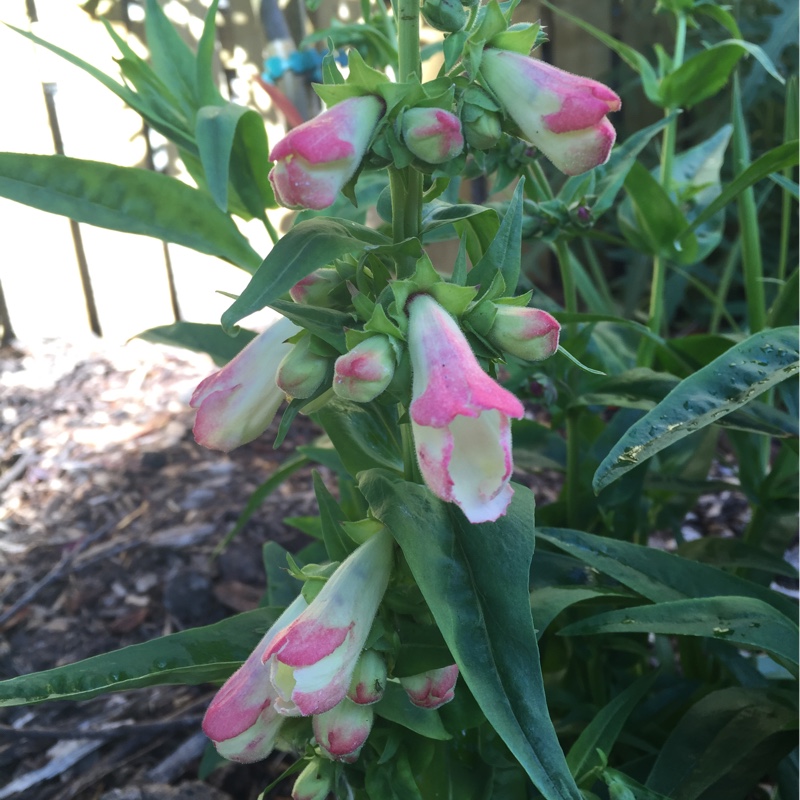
(316, 159)
(481, 120)
(433, 688)
(313, 290)
(342, 731)
(369, 679)
(302, 371)
(314, 782)
(363, 373)
(445, 15)
(484, 132)
(432, 134)
(527, 333)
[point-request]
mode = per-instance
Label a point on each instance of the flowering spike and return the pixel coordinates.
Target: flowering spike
(316, 159)
(238, 402)
(563, 114)
(459, 416)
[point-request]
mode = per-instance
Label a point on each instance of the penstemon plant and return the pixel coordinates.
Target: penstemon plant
(399, 655)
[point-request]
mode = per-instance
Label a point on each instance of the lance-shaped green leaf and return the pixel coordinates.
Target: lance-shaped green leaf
(780, 157)
(725, 743)
(475, 581)
(233, 147)
(201, 338)
(727, 383)
(396, 707)
(503, 254)
(125, 199)
(660, 576)
(190, 657)
(604, 729)
(745, 621)
(311, 244)
(701, 76)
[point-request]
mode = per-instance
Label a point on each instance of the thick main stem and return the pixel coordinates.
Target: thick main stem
(406, 184)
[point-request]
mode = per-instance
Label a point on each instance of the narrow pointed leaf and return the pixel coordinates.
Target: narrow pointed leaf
(475, 580)
(745, 621)
(201, 338)
(309, 245)
(125, 199)
(730, 381)
(199, 655)
(660, 576)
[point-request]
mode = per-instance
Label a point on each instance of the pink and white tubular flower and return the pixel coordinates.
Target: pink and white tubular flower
(238, 402)
(311, 661)
(433, 688)
(459, 416)
(242, 720)
(316, 159)
(563, 114)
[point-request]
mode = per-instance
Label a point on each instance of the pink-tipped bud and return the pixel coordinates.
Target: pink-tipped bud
(433, 688)
(316, 159)
(342, 731)
(313, 290)
(432, 134)
(302, 371)
(314, 782)
(363, 373)
(527, 333)
(563, 114)
(369, 679)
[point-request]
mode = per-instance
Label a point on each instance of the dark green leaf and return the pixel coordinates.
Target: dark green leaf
(727, 383)
(547, 602)
(308, 246)
(475, 580)
(701, 76)
(327, 323)
(780, 157)
(735, 553)
(503, 254)
(604, 729)
(744, 621)
(657, 575)
(338, 544)
(124, 199)
(206, 90)
(201, 338)
(396, 707)
(172, 59)
(362, 434)
(724, 744)
(199, 655)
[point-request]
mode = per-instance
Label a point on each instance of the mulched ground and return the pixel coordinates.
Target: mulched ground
(109, 513)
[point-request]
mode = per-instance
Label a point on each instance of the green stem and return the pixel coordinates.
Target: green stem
(567, 278)
(406, 184)
(748, 222)
(655, 318)
(273, 234)
(573, 468)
